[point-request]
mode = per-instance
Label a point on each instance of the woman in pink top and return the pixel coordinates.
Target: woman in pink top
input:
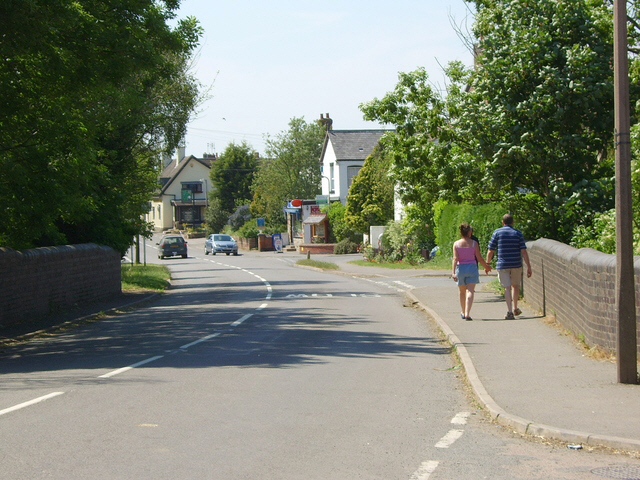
(466, 255)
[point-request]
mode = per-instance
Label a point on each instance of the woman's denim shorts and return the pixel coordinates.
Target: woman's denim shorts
(467, 273)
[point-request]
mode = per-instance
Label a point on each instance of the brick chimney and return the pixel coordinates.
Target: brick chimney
(327, 122)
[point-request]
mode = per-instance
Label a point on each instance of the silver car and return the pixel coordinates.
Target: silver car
(220, 243)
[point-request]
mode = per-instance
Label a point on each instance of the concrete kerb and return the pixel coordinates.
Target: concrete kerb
(516, 423)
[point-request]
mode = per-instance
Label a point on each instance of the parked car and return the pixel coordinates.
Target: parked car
(172, 246)
(220, 243)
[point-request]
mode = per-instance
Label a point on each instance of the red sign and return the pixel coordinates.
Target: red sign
(296, 202)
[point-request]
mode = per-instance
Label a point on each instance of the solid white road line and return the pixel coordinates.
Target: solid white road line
(130, 367)
(30, 402)
(425, 470)
(405, 285)
(449, 438)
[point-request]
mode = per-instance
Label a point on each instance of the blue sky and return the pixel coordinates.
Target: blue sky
(269, 61)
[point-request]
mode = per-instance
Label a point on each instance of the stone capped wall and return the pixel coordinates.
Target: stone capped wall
(578, 287)
(41, 281)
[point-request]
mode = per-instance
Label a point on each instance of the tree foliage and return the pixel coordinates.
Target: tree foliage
(338, 229)
(530, 125)
(540, 109)
(215, 216)
(370, 197)
(291, 169)
(91, 91)
(232, 174)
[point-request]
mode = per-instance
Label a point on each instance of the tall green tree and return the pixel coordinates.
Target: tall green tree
(370, 197)
(232, 174)
(429, 160)
(90, 93)
(530, 125)
(290, 170)
(540, 109)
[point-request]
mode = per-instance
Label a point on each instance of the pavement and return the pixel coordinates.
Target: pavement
(528, 374)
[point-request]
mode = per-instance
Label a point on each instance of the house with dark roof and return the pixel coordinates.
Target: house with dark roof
(342, 157)
(183, 194)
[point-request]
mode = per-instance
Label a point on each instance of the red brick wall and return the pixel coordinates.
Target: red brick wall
(41, 281)
(246, 243)
(577, 286)
(316, 248)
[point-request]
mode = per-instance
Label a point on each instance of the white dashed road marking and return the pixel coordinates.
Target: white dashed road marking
(200, 340)
(242, 319)
(425, 470)
(461, 418)
(130, 367)
(449, 438)
(203, 339)
(30, 402)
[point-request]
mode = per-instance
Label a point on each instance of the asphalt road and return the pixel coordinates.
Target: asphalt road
(249, 368)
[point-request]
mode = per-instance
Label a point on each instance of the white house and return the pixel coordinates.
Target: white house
(342, 157)
(183, 194)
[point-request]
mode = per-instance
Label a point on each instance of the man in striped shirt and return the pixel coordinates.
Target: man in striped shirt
(511, 250)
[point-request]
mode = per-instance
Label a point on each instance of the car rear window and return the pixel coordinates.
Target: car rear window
(174, 240)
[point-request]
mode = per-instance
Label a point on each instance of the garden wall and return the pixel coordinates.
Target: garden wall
(42, 281)
(577, 286)
(246, 243)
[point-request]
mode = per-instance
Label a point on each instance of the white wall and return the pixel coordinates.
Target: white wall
(374, 233)
(329, 157)
(398, 206)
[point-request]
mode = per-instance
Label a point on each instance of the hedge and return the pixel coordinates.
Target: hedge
(483, 218)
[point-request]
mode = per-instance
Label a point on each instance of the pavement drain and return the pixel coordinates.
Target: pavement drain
(624, 472)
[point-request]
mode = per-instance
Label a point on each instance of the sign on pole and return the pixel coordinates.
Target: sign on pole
(322, 199)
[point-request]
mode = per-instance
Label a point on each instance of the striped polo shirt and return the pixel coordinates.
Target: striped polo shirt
(508, 241)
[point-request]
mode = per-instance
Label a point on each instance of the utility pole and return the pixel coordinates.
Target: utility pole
(627, 353)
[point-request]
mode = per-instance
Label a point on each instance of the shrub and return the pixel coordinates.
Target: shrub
(248, 230)
(600, 236)
(338, 228)
(345, 246)
(395, 241)
(368, 253)
(240, 217)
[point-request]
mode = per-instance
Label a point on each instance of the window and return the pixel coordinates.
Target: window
(332, 180)
(195, 187)
(190, 214)
(352, 172)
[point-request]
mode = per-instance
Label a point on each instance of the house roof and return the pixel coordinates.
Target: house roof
(315, 219)
(352, 144)
(173, 170)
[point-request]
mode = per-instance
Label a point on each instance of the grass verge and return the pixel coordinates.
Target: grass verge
(317, 264)
(144, 277)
